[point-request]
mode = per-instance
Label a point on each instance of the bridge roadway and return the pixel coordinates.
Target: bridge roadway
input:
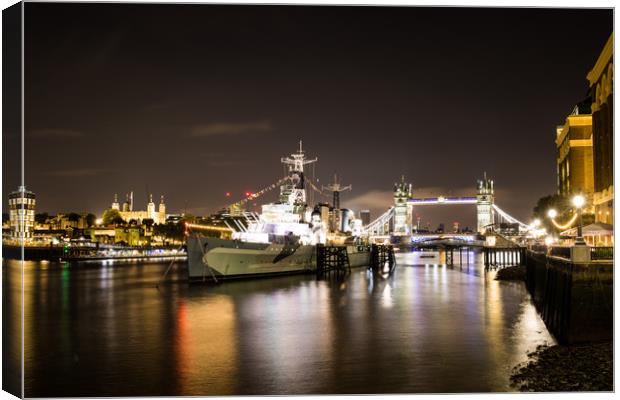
(442, 200)
(434, 239)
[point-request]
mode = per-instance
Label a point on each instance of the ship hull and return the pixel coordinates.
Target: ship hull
(227, 259)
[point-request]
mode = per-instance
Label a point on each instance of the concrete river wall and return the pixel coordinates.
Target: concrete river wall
(574, 299)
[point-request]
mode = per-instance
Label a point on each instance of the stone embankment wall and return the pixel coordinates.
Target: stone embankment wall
(574, 300)
(32, 253)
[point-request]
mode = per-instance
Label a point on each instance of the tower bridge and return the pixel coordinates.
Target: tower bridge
(398, 219)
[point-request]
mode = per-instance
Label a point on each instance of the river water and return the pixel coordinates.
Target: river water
(105, 329)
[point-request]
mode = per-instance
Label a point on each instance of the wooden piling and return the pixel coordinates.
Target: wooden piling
(332, 258)
(382, 256)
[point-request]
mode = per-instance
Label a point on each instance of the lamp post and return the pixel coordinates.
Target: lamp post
(578, 202)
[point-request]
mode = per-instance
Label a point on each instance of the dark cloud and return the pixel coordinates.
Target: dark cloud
(77, 173)
(225, 160)
(55, 133)
(231, 128)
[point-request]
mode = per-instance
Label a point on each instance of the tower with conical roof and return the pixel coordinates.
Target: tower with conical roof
(150, 209)
(115, 205)
(402, 210)
(484, 204)
(162, 210)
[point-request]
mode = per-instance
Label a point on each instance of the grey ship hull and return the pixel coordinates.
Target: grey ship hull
(227, 259)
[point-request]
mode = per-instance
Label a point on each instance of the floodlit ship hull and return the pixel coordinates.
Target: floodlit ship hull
(233, 259)
(275, 259)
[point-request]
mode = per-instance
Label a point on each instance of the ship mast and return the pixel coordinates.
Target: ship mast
(296, 193)
(336, 188)
(297, 160)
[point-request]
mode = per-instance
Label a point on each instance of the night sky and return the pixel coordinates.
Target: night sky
(192, 101)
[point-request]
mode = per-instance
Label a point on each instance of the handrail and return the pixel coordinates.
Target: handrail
(601, 253)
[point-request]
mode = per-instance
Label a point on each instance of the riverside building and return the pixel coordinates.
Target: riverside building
(601, 88)
(574, 152)
(21, 213)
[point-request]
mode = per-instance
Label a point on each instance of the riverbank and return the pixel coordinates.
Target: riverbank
(91, 253)
(558, 368)
(514, 273)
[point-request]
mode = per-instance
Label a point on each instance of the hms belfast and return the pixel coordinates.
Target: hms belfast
(282, 239)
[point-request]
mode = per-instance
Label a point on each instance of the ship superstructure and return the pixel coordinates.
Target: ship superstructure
(289, 217)
(281, 239)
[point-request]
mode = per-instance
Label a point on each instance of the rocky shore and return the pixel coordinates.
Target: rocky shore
(586, 367)
(515, 273)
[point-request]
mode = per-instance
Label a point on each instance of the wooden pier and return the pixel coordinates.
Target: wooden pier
(500, 257)
(332, 258)
(451, 254)
(382, 258)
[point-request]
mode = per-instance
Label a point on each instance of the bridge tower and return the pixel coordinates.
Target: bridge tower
(484, 203)
(402, 210)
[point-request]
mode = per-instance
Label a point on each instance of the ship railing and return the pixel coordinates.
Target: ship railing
(230, 227)
(240, 226)
(251, 217)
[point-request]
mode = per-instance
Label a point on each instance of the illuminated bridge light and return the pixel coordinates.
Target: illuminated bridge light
(443, 200)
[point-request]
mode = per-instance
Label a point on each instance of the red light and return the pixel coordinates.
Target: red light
(227, 194)
(248, 194)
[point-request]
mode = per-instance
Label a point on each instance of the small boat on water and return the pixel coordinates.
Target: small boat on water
(433, 256)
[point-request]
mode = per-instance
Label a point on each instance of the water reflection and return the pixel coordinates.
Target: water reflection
(107, 330)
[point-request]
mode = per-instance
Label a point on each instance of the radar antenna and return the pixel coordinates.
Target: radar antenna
(336, 188)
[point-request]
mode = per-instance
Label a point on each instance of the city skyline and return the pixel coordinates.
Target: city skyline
(171, 99)
(257, 199)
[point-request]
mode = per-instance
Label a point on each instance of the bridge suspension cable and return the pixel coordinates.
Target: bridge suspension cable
(509, 218)
(378, 225)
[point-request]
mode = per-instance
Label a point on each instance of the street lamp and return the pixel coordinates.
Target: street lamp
(552, 213)
(549, 241)
(578, 202)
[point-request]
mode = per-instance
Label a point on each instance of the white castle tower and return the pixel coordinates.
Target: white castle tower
(150, 209)
(402, 211)
(126, 203)
(484, 204)
(162, 210)
(115, 205)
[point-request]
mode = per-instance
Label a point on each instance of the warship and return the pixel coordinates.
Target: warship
(282, 239)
